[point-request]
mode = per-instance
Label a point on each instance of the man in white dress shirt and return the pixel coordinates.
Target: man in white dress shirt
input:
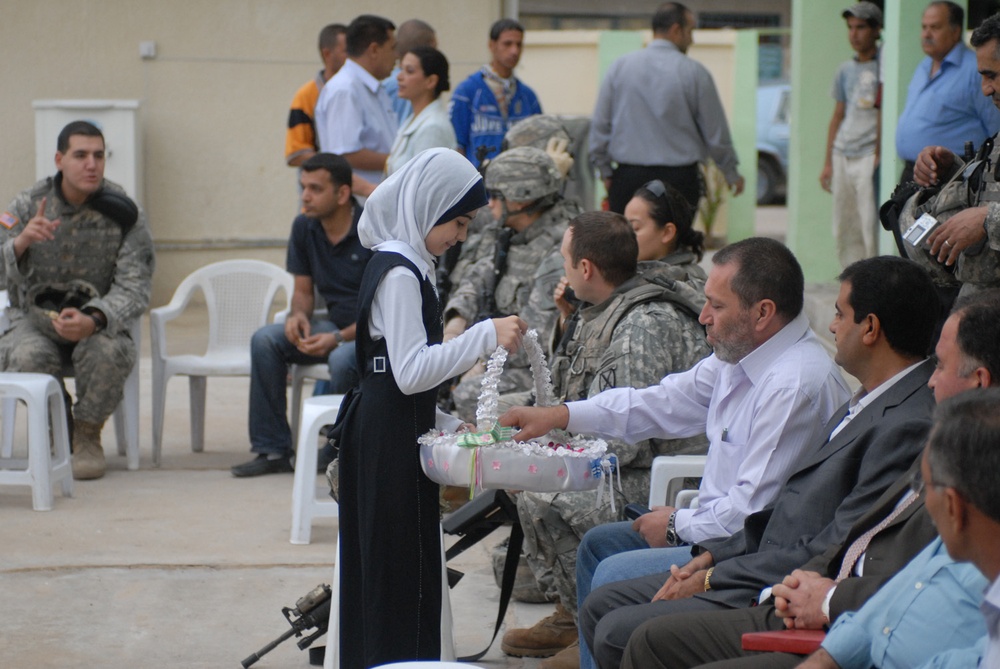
(762, 398)
(354, 115)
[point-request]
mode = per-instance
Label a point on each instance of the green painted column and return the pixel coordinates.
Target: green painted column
(611, 45)
(819, 45)
(743, 126)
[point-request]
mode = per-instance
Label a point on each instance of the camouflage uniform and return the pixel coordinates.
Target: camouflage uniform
(535, 131)
(534, 267)
(978, 267)
(89, 249)
(478, 245)
(633, 339)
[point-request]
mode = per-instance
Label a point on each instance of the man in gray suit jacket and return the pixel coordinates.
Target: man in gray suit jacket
(883, 326)
(967, 358)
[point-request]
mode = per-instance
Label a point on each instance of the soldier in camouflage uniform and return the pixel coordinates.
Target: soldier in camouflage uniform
(969, 238)
(524, 269)
(631, 331)
(77, 262)
(542, 131)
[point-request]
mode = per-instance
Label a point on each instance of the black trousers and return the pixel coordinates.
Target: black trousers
(627, 179)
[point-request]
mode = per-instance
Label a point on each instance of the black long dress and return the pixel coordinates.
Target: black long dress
(390, 578)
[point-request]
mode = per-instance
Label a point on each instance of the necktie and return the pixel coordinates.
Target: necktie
(860, 545)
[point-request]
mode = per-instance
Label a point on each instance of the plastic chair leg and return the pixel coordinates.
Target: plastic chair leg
(197, 385)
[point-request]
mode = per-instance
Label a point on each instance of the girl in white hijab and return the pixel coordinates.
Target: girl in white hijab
(389, 539)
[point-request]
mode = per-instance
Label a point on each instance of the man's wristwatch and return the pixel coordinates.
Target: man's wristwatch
(672, 538)
(100, 320)
(338, 337)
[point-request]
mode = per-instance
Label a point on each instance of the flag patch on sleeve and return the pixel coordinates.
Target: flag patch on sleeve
(8, 220)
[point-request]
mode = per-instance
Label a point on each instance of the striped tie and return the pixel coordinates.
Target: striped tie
(860, 544)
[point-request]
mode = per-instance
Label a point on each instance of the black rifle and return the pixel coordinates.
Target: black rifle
(489, 510)
(310, 611)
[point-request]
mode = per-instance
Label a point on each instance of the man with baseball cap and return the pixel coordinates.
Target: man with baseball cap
(853, 139)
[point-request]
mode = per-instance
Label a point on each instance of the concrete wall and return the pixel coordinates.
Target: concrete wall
(214, 102)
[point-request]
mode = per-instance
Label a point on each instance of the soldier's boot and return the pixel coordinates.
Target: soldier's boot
(548, 636)
(88, 456)
(567, 658)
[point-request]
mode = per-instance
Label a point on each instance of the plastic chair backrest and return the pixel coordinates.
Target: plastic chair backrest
(238, 296)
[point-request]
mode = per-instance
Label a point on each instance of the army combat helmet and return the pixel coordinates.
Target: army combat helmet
(524, 174)
(535, 131)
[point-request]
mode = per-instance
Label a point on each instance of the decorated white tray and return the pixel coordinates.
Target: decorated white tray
(490, 458)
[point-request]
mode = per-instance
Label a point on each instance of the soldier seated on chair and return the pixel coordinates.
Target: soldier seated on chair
(326, 256)
(76, 257)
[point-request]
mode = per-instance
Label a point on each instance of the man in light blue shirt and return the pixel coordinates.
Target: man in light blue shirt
(933, 592)
(944, 104)
(354, 116)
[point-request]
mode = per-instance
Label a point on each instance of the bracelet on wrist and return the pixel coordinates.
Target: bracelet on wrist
(708, 575)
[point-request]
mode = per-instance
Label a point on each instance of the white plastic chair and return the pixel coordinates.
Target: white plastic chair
(299, 374)
(308, 502)
(126, 415)
(666, 479)
(48, 460)
(238, 295)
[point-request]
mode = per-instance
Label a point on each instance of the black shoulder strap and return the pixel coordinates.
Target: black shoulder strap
(506, 585)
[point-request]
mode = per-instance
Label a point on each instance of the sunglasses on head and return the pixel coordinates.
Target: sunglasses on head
(656, 187)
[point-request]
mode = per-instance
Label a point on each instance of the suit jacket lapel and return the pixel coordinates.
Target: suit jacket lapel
(903, 388)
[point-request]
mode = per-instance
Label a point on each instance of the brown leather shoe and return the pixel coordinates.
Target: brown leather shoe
(548, 636)
(567, 658)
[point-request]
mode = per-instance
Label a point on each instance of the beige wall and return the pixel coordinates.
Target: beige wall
(214, 102)
(562, 66)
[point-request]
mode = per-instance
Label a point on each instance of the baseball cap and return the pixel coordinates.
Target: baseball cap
(866, 11)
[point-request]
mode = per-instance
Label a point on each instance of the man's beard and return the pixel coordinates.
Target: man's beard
(737, 343)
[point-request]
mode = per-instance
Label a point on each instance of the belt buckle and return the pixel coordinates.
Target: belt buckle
(378, 364)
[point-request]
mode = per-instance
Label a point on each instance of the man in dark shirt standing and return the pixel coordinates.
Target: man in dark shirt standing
(326, 257)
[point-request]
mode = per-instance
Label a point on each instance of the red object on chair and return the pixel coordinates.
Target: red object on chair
(800, 642)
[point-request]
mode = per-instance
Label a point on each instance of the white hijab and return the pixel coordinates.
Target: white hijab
(406, 206)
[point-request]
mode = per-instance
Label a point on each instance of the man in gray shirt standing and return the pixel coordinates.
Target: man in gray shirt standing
(852, 141)
(658, 115)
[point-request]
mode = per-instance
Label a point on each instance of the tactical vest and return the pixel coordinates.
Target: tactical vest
(575, 364)
(973, 184)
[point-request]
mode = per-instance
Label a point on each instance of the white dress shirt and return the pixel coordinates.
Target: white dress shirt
(758, 414)
(396, 316)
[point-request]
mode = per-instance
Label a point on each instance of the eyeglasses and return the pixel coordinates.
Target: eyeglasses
(918, 485)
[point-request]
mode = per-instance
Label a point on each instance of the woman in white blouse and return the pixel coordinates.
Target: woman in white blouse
(423, 76)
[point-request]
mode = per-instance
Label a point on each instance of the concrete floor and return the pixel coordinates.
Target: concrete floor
(186, 566)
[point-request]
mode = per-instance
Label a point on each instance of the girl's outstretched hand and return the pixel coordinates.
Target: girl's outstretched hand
(510, 330)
